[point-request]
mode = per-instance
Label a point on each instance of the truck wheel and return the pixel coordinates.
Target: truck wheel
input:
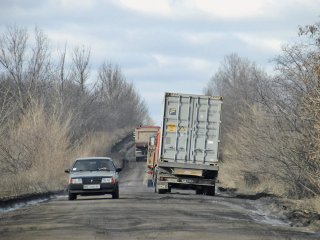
(162, 191)
(210, 191)
(72, 196)
(200, 191)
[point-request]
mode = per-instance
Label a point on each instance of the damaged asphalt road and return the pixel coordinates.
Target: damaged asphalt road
(142, 214)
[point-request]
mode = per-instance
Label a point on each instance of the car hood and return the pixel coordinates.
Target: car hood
(92, 174)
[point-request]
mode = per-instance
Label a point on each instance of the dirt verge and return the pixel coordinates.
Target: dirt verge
(284, 208)
(22, 200)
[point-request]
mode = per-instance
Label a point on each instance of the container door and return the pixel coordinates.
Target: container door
(205, 127)
(176, 128)
(190, 129)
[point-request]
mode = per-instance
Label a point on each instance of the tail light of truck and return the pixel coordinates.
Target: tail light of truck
(163, 179)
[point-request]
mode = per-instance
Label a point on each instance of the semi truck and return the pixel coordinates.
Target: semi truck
(142, 135)
(188, 144)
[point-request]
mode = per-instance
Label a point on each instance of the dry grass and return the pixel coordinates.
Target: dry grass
(259, 158)
(307, 204)
(100, 144)
(38, 150)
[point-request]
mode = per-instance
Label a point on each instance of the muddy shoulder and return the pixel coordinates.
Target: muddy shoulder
(297, 212)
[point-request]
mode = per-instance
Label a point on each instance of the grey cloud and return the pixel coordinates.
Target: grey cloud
(131, 39)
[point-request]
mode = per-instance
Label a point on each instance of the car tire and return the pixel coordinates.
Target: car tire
(72, 196)
(115, 194)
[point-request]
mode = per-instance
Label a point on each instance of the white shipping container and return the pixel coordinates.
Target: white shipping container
(190, 130)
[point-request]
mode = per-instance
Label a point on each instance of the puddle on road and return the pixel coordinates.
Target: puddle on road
(261, 216)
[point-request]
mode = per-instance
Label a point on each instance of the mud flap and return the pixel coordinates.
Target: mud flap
(150, 183)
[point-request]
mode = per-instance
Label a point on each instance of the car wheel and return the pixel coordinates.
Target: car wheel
(72, 196)
(115, 194)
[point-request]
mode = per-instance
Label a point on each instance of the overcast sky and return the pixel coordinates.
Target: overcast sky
(166, 45)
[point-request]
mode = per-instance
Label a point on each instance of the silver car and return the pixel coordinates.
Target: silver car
(93, 176)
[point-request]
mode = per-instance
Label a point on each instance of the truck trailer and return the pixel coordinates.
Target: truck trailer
(189, 143)
(142, 135)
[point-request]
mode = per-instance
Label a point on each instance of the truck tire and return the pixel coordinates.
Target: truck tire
(210, 191)
(162, 191)
(199, 191)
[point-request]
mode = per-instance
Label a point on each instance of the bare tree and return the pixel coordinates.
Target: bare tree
(48, 110)
(39, 63)
(237, 80)
(13, 46)
(81, 59)
(121, 103)
(27, 68)
(63, 77)
(7, 109)
(271, 125)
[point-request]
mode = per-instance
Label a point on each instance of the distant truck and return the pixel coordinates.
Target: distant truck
(188, 144)
(142, 135)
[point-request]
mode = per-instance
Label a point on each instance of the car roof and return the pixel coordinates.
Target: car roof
(91, 158)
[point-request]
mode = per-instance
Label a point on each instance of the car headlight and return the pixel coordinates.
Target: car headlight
(76, 180)
(106, 180)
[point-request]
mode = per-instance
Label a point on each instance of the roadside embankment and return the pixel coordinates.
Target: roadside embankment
(300, 213)
(117, 147)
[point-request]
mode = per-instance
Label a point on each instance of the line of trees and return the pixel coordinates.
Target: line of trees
(50, 105)
(271, 124)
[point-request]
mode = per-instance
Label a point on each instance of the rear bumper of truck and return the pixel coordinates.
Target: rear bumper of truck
(167, 185)
(185, 175)
(166, 182)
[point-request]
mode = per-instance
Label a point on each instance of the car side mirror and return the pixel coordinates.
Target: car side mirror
(67, 171)
(118, 169)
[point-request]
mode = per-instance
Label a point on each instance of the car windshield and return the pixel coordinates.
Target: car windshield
(93, 165)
